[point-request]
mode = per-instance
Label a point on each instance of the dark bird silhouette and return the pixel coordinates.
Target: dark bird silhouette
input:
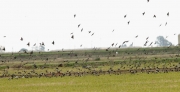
(112, 44)
(159, 25)
(125, 42)
(147, 0)
(92, 34)
(71, 33)
(136, 36)
(81, 45)
(79, 25)
(147, 38)
(21, 39)
(42, 43)
(74, 15)
(143, 13)
(34, 44)
(168, 14)
(154, 16)
(89, 31)
(28, 44)
(165, 23)
(81, 29)
(113, 31)
(125, 16)
(128, 22)
(72, 36)
(53, 42)
(4, 36)
(119, 46)
(4, 48)
(150, 44)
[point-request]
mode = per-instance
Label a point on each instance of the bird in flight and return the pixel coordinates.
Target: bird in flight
(89, 31)
(128, 22)
(154, 16)
(143, 13)
(81, 29)
(125, 16)
(4, 49)
(92, 34)
(42, 43)
(166, 24)
(72, 36)
(147, 38)
(53, 42)
(21, 39)
(168, 14)
(34, 44)
(113, 31)
(28, 44)
(4, 36)
(147, 0)
(74, 15)
(136, 36)
(79, 25)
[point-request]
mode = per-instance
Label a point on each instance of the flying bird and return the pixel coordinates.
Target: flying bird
(159, 25)
(72, 36)
(4, 36)
(166, 24)
(112, 44)
(89, 31)
(53, 42)
(28, 44)
(124, 16)
(147, 0)
(92, 34)
(168, 14)
(4, 49)
(34, 44)
(128, 22)
(21, 39)
(154, 16)
(74, 15)
(81, 29)
(42, 43)
(113, 31)
(79, 25)
(147, 38)
(143, 13)
(136, 36)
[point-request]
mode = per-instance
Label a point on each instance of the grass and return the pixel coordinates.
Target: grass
(162, 82)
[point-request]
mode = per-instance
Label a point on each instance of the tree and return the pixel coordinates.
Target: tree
(161, 41)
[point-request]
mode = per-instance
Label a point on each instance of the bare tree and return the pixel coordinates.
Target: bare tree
(161, 41)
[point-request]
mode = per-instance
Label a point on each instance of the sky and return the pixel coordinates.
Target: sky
(53, 20)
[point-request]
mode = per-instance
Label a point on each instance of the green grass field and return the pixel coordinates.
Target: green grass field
(135, 59)
(162, 82)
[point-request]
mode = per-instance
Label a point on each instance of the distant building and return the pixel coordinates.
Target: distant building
(179, 39)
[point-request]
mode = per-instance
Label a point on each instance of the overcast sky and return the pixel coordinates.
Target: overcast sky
(47, 20)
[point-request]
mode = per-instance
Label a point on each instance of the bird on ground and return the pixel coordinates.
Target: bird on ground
(53, 42)
(21, 39)
(143, 13)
